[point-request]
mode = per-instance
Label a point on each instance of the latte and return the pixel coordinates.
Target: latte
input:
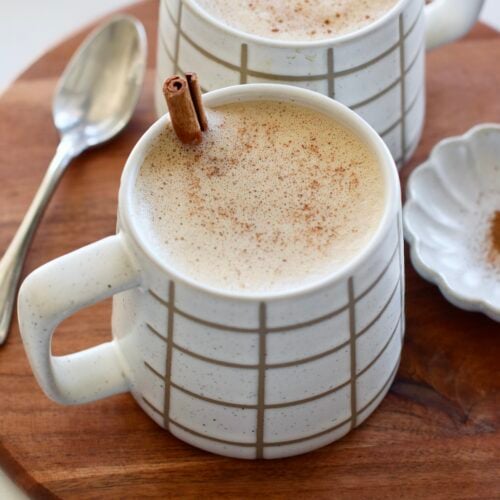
(298, 20)
(276, 197)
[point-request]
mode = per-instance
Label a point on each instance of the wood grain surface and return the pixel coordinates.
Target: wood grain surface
(434, 436)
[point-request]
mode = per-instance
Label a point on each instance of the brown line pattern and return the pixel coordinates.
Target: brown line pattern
(376, 59)
(153, 408)
(387, 89)
(253, 73)
(415, 58)
(239, 443)
(386, 345)
(177, 36)
(298, 78)
(331, 72)
(153, 330)
(380, 276)
(245, 405)
(261, 387)
(388, 130)
(369, 63)
(155, 372)
(199, 396)
(400, 119)
(230, 364)
(311, 436)
(410, 146)
(167, 50)
(381, 390)
(312, 322)
(203, 89)
(191, 431)
(212, 400)
(217, 440)
(204, 322)
(294, 362)
(244, 63)
(352, 343)
(212, 324)
(227, 364)
(181, 71)
(401, 279)
(415, 22)
(281, 443)
(321, 395)
(402, 63)
(415, 141)
(169, 356)
(378, 95)
(309, 358)
(165, 4)
(378, 316)
(355, 106)
(236, 329)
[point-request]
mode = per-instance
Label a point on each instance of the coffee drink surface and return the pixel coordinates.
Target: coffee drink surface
(276, 197)
(297, 20)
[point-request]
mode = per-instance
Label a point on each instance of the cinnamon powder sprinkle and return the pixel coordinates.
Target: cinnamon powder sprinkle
(275, 197)
(494, 239)
(298, 20)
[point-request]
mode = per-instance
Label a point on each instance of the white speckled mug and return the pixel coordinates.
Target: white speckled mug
(378, 71)
(247, 376)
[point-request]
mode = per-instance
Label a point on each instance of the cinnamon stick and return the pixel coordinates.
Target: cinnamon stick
(185, 106)
(195, 90)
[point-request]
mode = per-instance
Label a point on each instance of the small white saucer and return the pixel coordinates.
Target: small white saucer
(451, 200)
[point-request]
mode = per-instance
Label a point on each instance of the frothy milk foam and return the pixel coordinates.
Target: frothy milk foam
(297, 19)
(276, 197)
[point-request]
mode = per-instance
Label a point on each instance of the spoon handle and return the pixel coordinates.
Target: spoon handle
(12, 262)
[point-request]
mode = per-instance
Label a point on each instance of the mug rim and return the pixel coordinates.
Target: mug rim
(263, 92)
(295, 44)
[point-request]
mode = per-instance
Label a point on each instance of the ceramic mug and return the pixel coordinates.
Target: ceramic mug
(378, 71)
(238, 374)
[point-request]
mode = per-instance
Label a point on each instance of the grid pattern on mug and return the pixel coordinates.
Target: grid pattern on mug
(262, 367)
(406, 105)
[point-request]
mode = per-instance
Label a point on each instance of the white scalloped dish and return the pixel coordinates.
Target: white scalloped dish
(451, 201)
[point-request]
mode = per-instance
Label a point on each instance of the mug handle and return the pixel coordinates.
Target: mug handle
(57, 290)
(448, 20)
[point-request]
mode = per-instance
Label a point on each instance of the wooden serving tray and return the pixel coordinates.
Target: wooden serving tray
(434, 436)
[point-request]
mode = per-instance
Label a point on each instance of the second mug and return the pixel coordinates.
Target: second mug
(378, 70)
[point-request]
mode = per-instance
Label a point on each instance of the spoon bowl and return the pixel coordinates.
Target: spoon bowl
(99, 89)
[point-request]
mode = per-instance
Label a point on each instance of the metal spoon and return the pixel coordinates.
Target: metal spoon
(94, 100)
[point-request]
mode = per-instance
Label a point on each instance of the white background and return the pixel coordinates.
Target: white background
(28, 28)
